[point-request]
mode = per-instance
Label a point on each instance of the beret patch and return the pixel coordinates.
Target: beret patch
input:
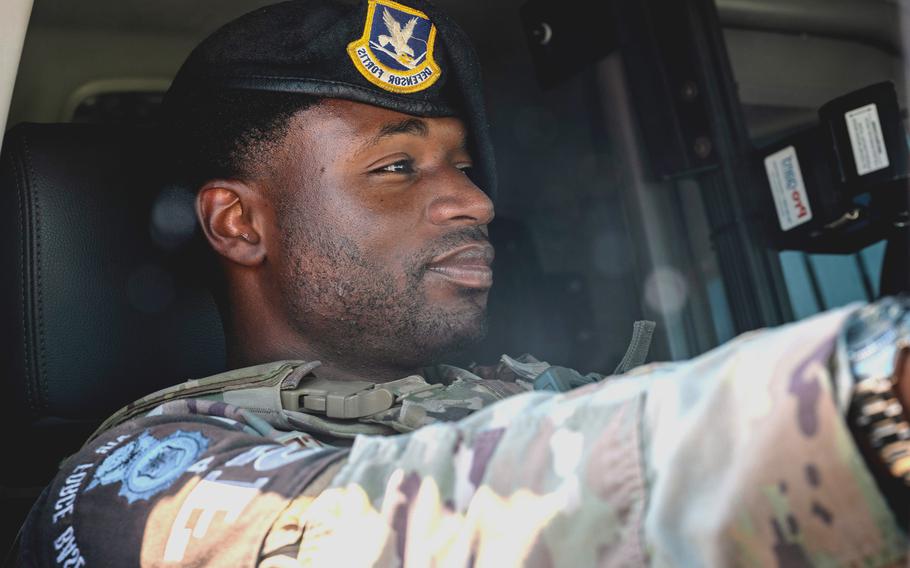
(395, 52)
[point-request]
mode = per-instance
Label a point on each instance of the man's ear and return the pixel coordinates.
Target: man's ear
(232, 214)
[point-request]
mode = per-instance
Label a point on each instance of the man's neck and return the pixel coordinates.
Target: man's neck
(332, 367)
(257, 332)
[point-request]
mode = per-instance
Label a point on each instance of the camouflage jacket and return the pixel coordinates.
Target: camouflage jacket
(740, 457)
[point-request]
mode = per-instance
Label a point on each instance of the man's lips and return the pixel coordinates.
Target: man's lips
(467, 266)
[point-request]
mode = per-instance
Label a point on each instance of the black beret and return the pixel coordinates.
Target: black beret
(405, 56)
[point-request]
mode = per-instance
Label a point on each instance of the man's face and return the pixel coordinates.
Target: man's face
(382, 237)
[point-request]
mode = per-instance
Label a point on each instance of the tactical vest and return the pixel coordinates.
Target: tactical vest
(288, 395)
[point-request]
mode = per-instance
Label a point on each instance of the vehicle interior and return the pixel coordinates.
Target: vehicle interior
(633, 143)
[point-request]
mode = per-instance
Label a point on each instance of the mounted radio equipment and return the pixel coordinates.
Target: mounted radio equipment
(842, 184)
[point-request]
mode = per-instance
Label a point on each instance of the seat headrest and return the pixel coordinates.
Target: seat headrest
(97, 308)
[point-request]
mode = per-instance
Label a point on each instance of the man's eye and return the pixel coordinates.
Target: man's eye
(466, 168)
(399, 167)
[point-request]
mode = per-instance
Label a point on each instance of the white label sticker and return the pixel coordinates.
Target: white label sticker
(787, 187)
(869, 150)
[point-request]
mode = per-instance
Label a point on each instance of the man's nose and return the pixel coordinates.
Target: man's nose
(457, 200)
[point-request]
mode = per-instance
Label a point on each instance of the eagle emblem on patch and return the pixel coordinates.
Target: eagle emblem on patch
(395, 51)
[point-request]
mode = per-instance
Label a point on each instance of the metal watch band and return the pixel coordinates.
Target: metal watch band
(878, 414)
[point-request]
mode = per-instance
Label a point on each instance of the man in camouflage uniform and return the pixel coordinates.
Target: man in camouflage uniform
(331, 147)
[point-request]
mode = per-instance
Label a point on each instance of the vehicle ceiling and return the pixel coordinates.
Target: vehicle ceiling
(841, 43)
(198, 17)
(178, 17)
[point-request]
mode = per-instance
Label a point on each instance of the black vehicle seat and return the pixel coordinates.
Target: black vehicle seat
(99, 301)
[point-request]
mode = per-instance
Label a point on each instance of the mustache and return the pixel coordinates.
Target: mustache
(449, 241)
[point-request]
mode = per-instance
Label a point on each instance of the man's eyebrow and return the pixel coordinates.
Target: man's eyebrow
(413, 126)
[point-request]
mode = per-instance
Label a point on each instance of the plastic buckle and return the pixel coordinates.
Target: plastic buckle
(338, 399)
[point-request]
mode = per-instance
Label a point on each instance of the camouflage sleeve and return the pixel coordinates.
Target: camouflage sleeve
(169, 491)
(740, 457)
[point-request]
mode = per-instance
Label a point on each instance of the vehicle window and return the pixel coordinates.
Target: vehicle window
(139, 108)
(785, 71)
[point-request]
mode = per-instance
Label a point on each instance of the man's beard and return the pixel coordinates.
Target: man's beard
(360, 311)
